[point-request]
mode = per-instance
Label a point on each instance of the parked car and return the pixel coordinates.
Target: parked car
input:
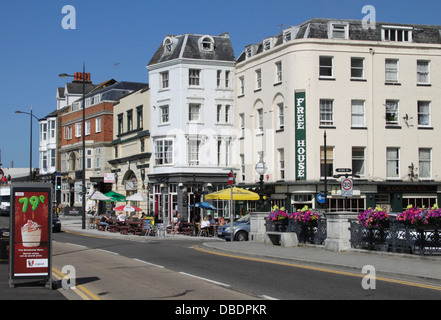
(241, 229)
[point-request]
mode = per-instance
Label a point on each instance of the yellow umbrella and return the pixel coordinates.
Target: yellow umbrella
(238, 194)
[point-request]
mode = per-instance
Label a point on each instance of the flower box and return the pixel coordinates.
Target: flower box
(374, 218)
(421, 218)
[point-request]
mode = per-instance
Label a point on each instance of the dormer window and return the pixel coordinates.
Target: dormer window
(399, 34)
(250, 50)
(266, 44)
(338, 30)
(206, 43)
(287, 36)
(169, 44)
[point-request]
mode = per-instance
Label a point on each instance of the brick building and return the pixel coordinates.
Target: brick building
(99, 104)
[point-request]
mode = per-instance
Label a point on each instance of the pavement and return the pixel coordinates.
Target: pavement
(411, 267)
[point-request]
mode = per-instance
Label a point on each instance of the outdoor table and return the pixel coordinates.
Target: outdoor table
(134, 226)
(115, 226)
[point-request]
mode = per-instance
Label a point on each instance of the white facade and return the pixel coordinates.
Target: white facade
(48, 145)
(376, 100)
(203, 113)
(193, 135)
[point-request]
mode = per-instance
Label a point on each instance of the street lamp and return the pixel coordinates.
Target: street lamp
(30, 144)
(83, 131)
(261, 169)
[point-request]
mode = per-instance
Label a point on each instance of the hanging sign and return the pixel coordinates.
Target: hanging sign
(300, 132)
(30, 231)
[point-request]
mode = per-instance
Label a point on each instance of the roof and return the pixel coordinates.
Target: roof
(116, 90)
(189, 46)
(317, 28)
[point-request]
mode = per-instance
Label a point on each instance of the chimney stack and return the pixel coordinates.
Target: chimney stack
(78, 77)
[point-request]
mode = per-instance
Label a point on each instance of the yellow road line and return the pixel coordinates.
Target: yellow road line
(86, 235)
(351, 274)
(80, 290)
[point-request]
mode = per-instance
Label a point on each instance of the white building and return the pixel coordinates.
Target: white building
(193, 121)
(374, 91)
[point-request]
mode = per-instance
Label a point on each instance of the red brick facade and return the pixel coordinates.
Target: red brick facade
(103, 110)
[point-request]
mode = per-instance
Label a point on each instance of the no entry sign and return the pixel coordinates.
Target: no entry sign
(230, 178)
(346, 187)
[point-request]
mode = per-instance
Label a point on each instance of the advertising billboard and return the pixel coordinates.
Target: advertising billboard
(30, 231)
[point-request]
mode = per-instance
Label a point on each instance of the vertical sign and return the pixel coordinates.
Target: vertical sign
(30, 232)
(300, 132)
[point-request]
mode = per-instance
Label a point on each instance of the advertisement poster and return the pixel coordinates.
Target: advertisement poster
(31, 231)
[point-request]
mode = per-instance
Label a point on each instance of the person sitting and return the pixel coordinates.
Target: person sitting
(178, 224)
(104, 221)
(212, 227)
(205, 225)
(121, 217)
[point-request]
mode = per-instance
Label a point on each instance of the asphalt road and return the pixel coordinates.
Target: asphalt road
(166, 269)
(161, 259)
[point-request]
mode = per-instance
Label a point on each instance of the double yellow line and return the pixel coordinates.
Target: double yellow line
(78, 289)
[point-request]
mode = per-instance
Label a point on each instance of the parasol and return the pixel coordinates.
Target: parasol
(238, 194)
(127, 208)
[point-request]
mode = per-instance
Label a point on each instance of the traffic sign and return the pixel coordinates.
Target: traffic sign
(346, 187)
(230, 178)
(321, 198)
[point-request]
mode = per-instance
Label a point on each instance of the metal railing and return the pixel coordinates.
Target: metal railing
(313, 233)
(399, 237)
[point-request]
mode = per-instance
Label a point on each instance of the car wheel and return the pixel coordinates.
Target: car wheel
(241, 236)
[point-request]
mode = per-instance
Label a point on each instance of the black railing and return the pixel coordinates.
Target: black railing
(399, 237)
(314, 232)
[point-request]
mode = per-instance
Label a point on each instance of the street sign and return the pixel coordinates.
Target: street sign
(230, 178)
(321, 198)
(343, 170)
(346, 187)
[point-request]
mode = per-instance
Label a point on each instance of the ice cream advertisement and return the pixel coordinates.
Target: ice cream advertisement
(31, 227)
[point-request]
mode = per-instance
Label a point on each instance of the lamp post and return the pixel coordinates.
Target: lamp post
(83, 131)
(261, 169)
(30, 143)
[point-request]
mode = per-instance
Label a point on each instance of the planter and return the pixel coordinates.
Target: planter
(428, 226)
(309, 224)
(378, 225)
(277, 226)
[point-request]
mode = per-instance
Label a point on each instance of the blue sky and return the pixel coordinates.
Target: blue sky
(36, 48)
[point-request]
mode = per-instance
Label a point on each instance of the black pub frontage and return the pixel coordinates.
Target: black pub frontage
(397, 196)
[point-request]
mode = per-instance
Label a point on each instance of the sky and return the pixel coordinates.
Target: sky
(117, 38)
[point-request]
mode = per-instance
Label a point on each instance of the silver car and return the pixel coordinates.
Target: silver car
(241, 229)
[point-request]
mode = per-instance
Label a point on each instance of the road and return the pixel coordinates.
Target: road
(165, 269)
(181, 269)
